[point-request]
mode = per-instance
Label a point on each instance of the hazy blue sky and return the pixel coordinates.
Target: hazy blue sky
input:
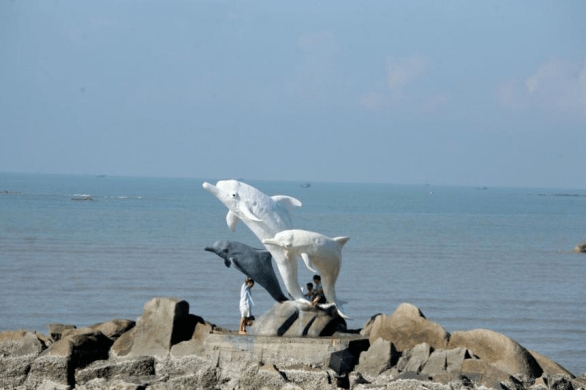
(444, 92)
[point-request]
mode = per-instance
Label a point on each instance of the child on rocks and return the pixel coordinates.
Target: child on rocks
(319, 292)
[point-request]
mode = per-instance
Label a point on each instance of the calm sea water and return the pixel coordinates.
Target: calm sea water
(497, 258)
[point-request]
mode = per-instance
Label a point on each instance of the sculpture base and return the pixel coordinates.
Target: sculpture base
(298, 319)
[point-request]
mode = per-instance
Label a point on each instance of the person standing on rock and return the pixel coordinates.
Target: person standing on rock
(246, 304)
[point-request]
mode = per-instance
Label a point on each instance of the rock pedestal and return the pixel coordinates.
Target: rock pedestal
(172, 349)
(293, 319)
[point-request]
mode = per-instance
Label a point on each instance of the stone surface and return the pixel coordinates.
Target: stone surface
(414, 359)
(164, 323)
(549, 366)
(14, 370)
(485, 374)
(443, 360)
(498, 350)
(55, 330)
(136, 370)
(379, 357)
(123, 345)
(293, 319)
(58, 363)
(237, 349)
(367, 327)
(115, 328)
(408, 327)
(211, 358)
(30, 345)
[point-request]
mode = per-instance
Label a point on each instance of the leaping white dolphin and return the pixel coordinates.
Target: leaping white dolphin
(265, 216)
(315, 249)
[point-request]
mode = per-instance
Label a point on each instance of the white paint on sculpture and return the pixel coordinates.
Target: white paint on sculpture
(317, 250)
(265, 216)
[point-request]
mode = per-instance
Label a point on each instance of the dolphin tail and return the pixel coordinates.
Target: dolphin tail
(338, 309)
(308, 263)
(287, 201)
(344, 316)
(341, 241)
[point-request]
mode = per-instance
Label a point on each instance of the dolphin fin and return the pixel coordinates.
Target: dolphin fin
(341, 240)
(228, 262)
(245, 210)
(287, 201)
(232, 220)
(308, 263)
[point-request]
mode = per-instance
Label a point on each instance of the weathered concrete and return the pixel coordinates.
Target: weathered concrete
(285, 351)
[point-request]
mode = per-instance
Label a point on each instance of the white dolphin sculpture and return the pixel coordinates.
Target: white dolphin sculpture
(315, 249)
(265, 216)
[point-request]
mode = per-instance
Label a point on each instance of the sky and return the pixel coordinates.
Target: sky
(475, 93)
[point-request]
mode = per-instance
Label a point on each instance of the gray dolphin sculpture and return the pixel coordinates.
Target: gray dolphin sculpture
(253, 263)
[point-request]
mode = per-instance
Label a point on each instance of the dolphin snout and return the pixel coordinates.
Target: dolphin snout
(271, 241)
(209, 249)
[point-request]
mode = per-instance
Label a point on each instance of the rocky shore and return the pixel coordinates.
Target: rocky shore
(289, 347)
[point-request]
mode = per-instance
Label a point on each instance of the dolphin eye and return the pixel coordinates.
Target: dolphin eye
(234, 195)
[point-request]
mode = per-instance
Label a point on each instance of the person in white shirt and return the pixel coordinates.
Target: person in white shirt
(246, 304)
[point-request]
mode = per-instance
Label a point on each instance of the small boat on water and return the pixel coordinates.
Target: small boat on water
(306, 185)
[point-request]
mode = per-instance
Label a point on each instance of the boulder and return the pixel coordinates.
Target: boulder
(414, 359)
(292, 319)
(194, 346)
(133, 370)
(58, 362)
(550, 367)
(306, 377)
(498, 350)
(379, 357)
(56, 330)
(445, 360)
(115, 328)
(21, 343)
(367, 327)
(190, 372)
(164, 323)
(580, 248)
(123, 345)
(14, 370)
(408, 327)
(485, 374)
(30, 345)
(111, 329)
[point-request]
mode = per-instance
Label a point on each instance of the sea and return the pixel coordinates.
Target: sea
(469, 258)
